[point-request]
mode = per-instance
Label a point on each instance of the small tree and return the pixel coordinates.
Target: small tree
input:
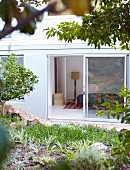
(15, 80)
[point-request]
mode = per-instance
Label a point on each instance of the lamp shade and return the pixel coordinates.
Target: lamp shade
(74, 75)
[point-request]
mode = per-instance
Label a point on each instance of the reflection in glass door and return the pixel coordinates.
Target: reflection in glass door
(104, 76)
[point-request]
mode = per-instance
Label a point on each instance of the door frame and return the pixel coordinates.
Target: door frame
(85, 79)
(48, 81)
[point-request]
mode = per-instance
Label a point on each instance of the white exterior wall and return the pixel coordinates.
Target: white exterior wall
(50, 77)
(35, 49)
(36, 102)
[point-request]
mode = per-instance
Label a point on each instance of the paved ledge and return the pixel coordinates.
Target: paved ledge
(105, 125)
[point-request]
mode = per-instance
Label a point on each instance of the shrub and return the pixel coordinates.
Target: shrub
(15, 80)
(120, 153)
(88, 158)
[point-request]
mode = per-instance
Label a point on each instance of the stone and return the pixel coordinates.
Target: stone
(22, 114)
(7, 108)
(99, 146)
(36, 120)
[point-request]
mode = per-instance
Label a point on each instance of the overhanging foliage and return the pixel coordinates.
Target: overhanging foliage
(106, 25)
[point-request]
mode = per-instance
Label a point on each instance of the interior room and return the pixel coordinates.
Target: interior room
(65, 83)
(78, 85)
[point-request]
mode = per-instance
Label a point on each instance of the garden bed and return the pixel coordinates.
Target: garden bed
(41, 146)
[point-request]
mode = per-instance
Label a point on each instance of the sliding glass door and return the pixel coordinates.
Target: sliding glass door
(104, 76)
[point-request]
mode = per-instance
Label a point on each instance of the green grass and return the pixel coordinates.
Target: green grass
(70, 133)
(6, 120)
(64, 133)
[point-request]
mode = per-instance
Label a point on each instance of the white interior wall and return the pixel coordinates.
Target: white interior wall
(74, 64)
(61, 73)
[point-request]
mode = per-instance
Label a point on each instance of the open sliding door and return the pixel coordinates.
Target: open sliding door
(103, 78)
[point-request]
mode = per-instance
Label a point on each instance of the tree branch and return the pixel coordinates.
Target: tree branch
(23, 22)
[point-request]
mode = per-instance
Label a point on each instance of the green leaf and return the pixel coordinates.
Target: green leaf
(18, 82)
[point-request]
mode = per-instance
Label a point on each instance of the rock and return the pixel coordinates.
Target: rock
(7, 108)
(24, 116)
(36, 120)
(99, 146)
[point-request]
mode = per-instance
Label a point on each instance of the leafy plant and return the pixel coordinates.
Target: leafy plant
(85, 158)
(111, 17)
(17, 82)
(61, 165)
(18, 136)
(120, 153)
(88, 158)
(3, 72)
(4, 144)
(44, 161)
(120, 110)
(9, 119)
(48, 142)
(71, 133)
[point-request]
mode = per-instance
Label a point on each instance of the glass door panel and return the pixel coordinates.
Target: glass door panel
(104, 76)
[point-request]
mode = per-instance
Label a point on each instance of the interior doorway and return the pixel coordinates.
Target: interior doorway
(61, 84)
